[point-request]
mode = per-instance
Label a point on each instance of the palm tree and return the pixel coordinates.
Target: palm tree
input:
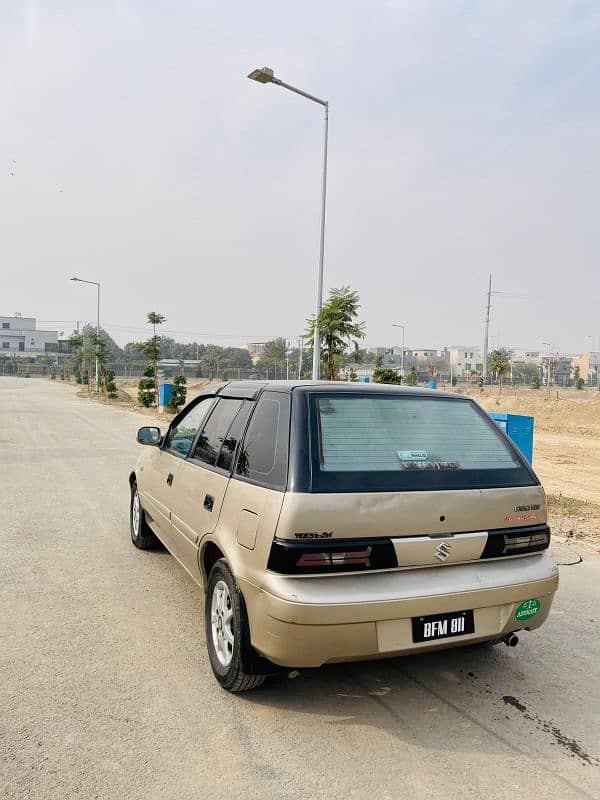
(499, 362)
(337, 326)
(154, 319)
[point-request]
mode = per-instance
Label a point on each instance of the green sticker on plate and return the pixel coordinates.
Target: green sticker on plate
(527, 609)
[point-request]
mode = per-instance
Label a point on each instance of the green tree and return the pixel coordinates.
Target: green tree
(178, 396)
(152, 348)
(535, 382)
(412, 377)
(110, 386)
(383, 374)
(106, 376)
(338, 328)
(272, 360)
(147, 388)
(75, 345)
(499, 362)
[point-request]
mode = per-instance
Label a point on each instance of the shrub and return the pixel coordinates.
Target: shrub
(383, 374)
(110, 385)
(177, 399)
(146, 388)
(412, 378)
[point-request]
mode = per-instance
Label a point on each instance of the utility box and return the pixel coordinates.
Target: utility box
(519, 429)
(165, 390)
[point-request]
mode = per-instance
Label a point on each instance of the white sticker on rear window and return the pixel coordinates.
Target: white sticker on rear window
(412, 455)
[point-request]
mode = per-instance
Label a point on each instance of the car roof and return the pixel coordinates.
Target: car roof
(251, 389)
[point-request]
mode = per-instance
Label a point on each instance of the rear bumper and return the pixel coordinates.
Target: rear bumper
(306, 622)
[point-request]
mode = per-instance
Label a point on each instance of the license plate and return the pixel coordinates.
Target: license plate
(442, 626)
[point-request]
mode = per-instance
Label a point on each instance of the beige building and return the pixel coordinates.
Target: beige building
(588, 366)
(465, 360)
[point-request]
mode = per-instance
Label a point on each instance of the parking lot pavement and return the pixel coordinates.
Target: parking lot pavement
(106, 691)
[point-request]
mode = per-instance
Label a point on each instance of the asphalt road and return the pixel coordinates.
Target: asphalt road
(106, 690)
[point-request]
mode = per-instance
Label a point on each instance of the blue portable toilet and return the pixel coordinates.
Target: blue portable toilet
(365, 380)
(518, 428)
(433, 384)
(165, 390)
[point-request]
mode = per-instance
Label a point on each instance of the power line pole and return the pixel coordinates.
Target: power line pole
(487, 330)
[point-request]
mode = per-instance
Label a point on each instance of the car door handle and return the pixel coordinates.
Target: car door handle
(170, 479)
(209, 502)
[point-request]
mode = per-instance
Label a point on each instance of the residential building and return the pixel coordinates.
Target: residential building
(425, 353)
(256, 350)
(20, 336)
(464, 360)
(588, 364)
(556, 370)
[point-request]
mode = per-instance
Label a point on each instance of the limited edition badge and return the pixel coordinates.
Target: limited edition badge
(527, 609)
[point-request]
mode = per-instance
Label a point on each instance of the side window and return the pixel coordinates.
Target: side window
(234, 434)
(215, 431)
(263, 457)
(181, 436)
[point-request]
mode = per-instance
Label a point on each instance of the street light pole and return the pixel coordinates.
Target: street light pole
(266, 75)
(399, 325)
(97, 285)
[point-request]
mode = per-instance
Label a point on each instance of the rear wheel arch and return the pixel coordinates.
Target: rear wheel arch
(207, 558)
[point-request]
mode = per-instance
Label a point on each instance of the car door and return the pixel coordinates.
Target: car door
(203, 476)
(160, 470)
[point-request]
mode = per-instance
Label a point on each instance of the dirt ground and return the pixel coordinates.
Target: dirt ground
(566, 449)
(566, 453)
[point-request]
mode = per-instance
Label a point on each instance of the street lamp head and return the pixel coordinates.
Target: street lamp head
(264, 75)
(74, 279)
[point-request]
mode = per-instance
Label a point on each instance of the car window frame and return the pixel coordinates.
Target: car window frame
(180, 416)
(213, 467)
(244, 478)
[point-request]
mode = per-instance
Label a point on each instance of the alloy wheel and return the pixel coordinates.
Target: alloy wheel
(221, 615)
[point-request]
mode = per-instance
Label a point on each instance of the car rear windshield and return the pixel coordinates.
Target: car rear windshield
(362, 443)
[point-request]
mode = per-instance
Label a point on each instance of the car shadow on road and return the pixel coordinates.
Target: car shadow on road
(446, 700)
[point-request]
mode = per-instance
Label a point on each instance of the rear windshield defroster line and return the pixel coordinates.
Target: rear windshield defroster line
(394, 442)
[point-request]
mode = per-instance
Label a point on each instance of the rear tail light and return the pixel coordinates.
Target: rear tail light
(308, 558)
(516, 541)
(357, 558)
(513, 544)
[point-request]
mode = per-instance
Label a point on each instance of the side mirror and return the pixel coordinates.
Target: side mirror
(149, 435)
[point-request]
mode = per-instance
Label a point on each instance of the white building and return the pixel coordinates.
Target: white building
(464, 360)
(19, 336)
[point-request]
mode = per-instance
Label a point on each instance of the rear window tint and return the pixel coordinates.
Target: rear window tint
(400, 442)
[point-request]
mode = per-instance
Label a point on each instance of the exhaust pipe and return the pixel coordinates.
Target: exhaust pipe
(511, 640)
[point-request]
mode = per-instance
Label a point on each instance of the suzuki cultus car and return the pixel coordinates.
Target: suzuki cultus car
(333, 522)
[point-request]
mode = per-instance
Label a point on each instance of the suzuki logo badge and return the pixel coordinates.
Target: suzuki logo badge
(442, 551)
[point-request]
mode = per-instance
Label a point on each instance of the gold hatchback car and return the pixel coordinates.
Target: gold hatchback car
(335, 522)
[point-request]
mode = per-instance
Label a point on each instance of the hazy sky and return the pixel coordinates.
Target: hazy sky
(464, 139)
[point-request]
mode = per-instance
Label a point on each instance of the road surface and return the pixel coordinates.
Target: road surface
(106, 690)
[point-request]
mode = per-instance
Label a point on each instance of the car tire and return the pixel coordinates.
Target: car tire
(233, 662)
(141, 534)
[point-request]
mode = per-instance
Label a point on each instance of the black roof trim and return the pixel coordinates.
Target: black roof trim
(242, 390)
